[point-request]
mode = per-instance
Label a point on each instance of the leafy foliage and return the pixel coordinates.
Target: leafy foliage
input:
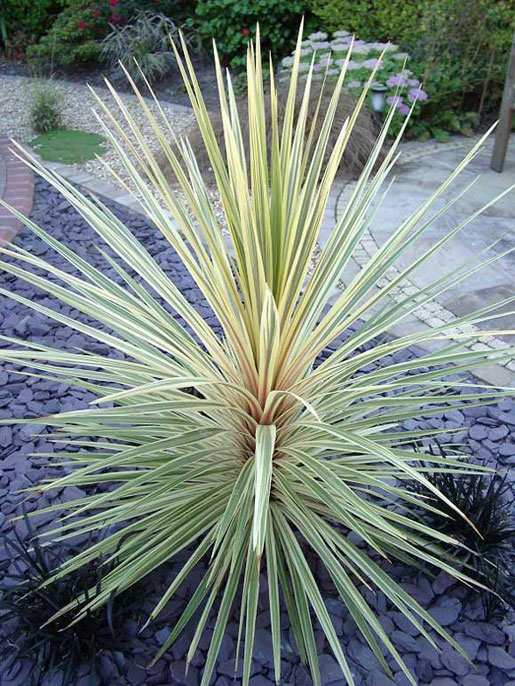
(145, 40)
(76, 34)
(462, 53)
(384, 20)
(33, 18)
(487, 539)
(231, 23)
(401, 87)
(45, 108)
(273, 454)
(58, 645)
(459, 49)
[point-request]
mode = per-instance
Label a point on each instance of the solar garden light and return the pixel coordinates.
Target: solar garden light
(378, 97)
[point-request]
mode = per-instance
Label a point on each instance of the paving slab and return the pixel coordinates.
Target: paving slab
(490, 236)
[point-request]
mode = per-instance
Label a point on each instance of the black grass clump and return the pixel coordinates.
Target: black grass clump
(488, 547)
(58, 645)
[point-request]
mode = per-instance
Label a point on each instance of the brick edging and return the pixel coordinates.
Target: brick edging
(18, 191)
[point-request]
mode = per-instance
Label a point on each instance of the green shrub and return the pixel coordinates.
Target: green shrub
(77, 33)
(252, 440)
(32, 18)
(46, 107)
(147, 40)
(462, 52)
(382, 20)
(232, 24)
(459, 49)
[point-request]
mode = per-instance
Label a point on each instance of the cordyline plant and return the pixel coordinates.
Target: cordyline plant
(271, 455)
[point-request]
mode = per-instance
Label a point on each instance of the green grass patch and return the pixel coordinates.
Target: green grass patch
(68, 146)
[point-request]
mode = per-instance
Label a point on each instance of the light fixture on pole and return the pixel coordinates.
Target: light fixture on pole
(378, 97)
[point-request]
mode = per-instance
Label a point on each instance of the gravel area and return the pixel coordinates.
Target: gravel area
(489, 434)
(78, 103)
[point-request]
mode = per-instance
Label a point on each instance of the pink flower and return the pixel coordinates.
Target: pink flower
(82, 25)
(245, 32)
(113, 3)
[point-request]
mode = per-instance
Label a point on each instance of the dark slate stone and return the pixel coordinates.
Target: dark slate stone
(474, 680)
(498, 433)
(442, 583)
(260, 680)
(263, 649)
(446, 610)
(508, 417)
(227, 668)
(424, 670)
(379, 678)
(330, 671)
(162, 635)
(404, 623)
(478, 432)
(469, 644)
(488, 633)
(404, 642)
(107, 667)
(301, 676)
(227, 648)
(498, 657)
(362, 655)
(455, 662)
(507, 449)
(400, 679)
(179, 676)
(6, 436)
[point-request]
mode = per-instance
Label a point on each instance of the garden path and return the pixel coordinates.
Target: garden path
(421, 170)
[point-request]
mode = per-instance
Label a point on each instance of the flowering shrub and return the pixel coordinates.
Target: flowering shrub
(461, 49)
(329, 53)
(232, 23)
(77, 32)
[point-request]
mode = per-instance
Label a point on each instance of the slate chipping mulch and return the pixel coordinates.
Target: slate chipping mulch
(489, 434)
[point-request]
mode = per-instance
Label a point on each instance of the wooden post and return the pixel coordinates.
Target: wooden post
(505, 116)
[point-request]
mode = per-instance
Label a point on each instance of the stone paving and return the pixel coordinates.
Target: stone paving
(419, 173)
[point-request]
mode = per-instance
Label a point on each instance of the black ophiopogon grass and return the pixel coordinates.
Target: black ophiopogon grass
(60, 645)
